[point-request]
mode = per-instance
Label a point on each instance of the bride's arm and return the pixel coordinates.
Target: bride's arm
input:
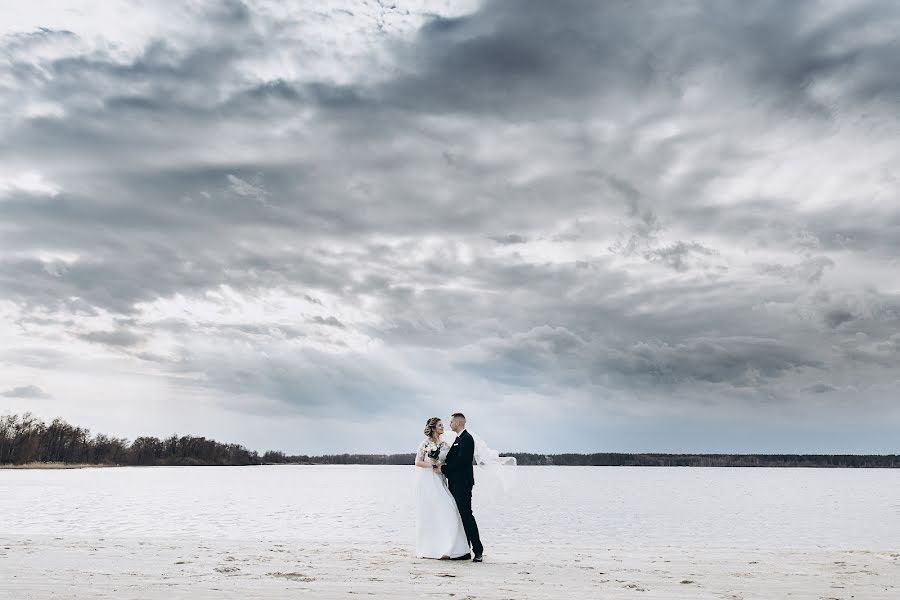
(421, 461)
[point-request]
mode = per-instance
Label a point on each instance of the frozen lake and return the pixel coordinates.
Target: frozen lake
(602, 506)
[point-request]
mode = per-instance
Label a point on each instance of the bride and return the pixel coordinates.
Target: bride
(439, 528)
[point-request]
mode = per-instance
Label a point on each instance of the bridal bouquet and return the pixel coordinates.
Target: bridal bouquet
(433, 450)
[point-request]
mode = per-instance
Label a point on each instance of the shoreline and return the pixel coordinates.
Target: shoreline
(67, 466)
(56, 465)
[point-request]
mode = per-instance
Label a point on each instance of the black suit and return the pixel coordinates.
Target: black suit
(461, 480)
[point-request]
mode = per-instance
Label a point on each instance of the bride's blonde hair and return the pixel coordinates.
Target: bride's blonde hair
(430, 426)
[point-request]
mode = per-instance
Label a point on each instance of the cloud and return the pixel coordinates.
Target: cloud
(579, 208)
(820, 388)
(30, 182)
(510, 239)
(119, 337)
(740, 361)
(331, 321)
(248, 190)
(25, 391)
(677, 255)
(835, 318)
(809, 270)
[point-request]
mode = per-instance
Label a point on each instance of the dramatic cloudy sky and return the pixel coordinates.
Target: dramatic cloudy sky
(613, 226)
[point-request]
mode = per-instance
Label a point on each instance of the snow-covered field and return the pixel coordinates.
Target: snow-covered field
(320, 531)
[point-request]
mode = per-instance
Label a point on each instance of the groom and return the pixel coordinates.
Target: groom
(461, 479)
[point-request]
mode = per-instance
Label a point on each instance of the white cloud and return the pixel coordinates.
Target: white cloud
(29, 182)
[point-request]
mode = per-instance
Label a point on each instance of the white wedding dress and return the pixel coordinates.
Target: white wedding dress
(439, 530)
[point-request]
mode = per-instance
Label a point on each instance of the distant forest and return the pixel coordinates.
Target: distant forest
(26, 439)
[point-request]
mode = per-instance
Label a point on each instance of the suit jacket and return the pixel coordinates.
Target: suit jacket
(458, 464)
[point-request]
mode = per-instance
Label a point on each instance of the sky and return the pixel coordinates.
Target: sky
(590, 226)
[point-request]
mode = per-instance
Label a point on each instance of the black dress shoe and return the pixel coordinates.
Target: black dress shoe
(463, 557)
(477, 558)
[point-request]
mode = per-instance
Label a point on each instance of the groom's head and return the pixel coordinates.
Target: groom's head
(457, 422)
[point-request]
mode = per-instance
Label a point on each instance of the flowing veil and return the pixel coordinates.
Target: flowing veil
(490, 468)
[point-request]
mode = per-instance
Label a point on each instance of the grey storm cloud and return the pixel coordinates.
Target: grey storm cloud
(740, 362)
(809, 270)
(119, 337)
(837, 317)
(820, 388)
(25, 391)
(331, 321)
(677, 255)
(510, 238)
(606, 203)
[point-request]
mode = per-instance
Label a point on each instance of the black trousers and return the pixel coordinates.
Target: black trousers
(463, 496)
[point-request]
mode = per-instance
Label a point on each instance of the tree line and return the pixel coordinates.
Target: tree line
(612, 459)
(26, 439)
